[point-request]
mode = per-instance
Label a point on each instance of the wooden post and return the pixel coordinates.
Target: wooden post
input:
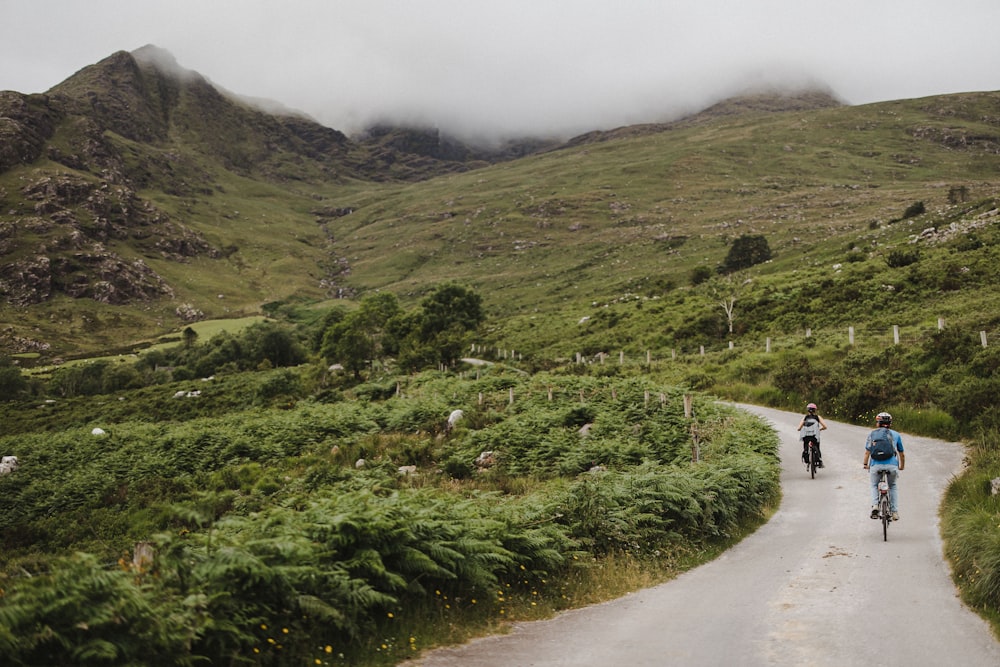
(940, 323)
(550, 393)
(809, 332)
(687, 406)
(850, 335)
(673, 353)
(982, 337)
(703, 350)
(142, 555)
(730, 345)
(649, 358)
(480, 398)
(767, 345)
(510, 394)
(646, 399)
(621, 357)
(895, 334)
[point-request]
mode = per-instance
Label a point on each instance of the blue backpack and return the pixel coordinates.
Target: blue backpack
(883, 444)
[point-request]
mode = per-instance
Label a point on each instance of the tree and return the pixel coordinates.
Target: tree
(726, 290)
(189, 337)
(12, 382)
(358, 339)
(449, 306)
(448, 314)
(747, 251)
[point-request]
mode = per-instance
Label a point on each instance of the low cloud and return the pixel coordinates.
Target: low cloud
(520, 67)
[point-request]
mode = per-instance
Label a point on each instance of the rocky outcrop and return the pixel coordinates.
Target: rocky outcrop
(63, 245)
(26, 124)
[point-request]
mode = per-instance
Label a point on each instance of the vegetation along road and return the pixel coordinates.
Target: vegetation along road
(815, 586)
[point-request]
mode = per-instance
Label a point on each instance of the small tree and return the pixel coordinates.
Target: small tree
(747, 251)
(700, 274)
(726, 291)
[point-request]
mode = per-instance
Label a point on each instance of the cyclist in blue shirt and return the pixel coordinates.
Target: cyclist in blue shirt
(893, 464)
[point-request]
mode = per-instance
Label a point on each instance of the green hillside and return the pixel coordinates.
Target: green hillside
(249, 221)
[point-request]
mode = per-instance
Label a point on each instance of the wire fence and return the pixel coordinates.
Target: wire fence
(866, 337)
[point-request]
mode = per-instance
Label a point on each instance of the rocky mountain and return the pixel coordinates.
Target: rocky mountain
(77, 165)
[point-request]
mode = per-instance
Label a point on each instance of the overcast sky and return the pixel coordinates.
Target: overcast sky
(514, 67)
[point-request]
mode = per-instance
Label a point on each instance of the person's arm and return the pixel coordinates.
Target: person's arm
(868, 452)
(822, 424)
(801, 422)
(902, 459)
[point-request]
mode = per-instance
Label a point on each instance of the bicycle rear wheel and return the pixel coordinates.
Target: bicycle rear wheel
(812, 462)
(886, 518)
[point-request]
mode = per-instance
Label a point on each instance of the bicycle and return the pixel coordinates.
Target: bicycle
(811, 460)
(884, 509)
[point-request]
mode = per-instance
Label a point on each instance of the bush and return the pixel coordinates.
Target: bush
(899, 258)
(914, 209)
(746, 251)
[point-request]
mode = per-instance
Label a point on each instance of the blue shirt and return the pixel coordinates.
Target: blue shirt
(897, 441)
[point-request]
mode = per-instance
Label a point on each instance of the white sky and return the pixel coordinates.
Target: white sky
(514, 67)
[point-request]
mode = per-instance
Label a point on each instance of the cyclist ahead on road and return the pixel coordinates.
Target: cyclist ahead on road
(884, 451)
(810, 426)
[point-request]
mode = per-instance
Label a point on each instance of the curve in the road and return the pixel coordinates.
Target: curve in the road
(815, 586)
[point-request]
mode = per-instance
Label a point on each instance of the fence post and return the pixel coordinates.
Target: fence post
(730, 345)
(850, 335)
(767, 345)
(809, 332)
(143, 555)
(982, 337)
(895, 334)
(940, 323)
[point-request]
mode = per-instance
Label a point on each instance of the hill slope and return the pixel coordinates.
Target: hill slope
(137, 196)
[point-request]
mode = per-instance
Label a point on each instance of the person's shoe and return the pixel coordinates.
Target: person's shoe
(820, 465)
(874, 512)
(895, 516)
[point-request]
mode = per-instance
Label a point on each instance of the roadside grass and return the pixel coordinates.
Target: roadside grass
(453, 622)
(970, 526)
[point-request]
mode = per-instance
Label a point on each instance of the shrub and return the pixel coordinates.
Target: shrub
(914, 209)
(899, 258)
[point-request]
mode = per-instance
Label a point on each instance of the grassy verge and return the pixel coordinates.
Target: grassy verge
(451, 622)
(970, 520)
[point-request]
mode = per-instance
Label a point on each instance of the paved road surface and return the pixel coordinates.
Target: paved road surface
(815, 586)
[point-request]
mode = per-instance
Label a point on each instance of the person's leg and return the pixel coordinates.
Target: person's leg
(893, 493)
(873, 478)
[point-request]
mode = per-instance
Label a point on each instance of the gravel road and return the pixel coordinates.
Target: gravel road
(815, 586)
